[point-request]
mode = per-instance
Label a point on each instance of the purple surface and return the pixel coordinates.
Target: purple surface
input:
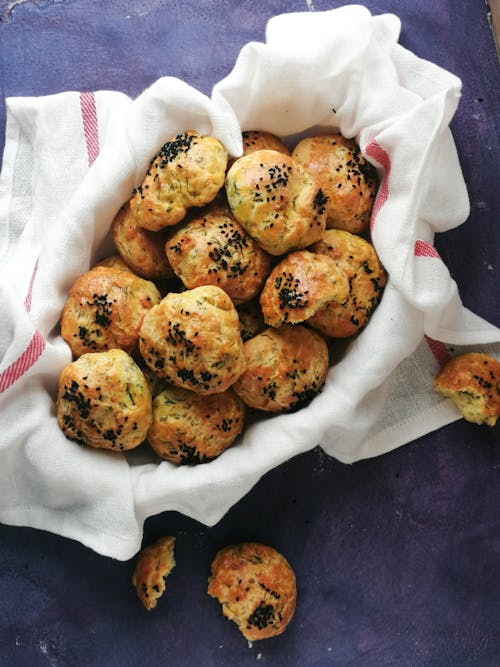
(397, 558)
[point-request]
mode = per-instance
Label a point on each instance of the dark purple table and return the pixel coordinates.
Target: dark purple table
(397, 558)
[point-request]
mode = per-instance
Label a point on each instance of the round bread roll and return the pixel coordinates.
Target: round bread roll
(190, 428)
(156, 384)
(104, 310)
(472, 382)
(215, 250)
(143, 251)
(285, 369)
(104, 401)
(256, 587)
(258, 140)
(188, 171)
(299, 285)
(347, 180)
(114, 262)
(251, 319)
(154, 563)
(279, 204)
(357, 258)
(193, 340)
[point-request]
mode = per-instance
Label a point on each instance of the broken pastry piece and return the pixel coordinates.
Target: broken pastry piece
(299, 285)
(357, 259)
(153, 566)
(347, 180)
(472, 382)
(256, 587)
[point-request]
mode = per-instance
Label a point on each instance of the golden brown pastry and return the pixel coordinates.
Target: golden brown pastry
(143, 251)
(279, 204)
(257, 140)
(357, 258)
(188, 171)
(113, 261)
(190, 428)
(154, 563)
(256, 587)
(299, 285)
(156, 384)
(104, 401)
(285, 369)
(104, 310)
(347, 180)
(251, 319)
(214, 249)
(472, 382)
(193, 340)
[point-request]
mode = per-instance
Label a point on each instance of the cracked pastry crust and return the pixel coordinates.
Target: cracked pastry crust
(285, 369)
(299, 285)
(188, 171)
(279, 204)
(192, 339)
(103, 401)
(143, 251)
(190, 428)
(214, 249)
(154, 563)
(358, 259)
(347, 180)
(256, 587)
(105, 309)
(472, 382)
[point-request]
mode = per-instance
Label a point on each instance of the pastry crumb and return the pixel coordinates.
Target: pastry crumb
(472, 382)
(154, 563)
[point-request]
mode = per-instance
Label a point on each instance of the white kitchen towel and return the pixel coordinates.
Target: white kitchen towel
(72, 159)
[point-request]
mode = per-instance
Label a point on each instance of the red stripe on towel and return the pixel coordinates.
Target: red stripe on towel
(439, 350)
(35, 348)
(375, 151)
(27, 300)
(90, 128)
(424, 249)
(24, 362)
(421, 248)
